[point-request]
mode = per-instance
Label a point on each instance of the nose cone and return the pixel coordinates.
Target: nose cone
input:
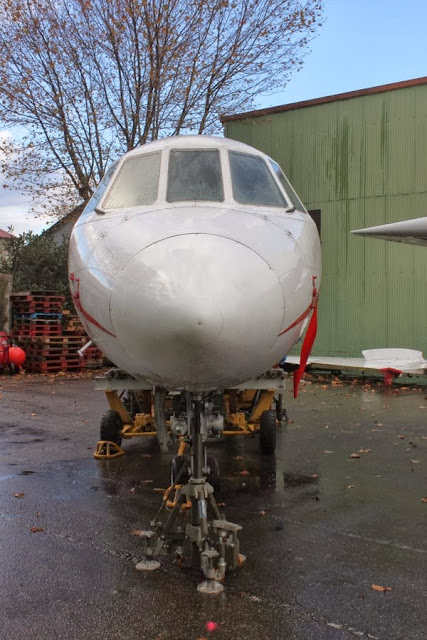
(197, 312)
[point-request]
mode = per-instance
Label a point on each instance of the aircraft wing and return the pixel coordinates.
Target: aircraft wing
(409, 231)
(387, 361)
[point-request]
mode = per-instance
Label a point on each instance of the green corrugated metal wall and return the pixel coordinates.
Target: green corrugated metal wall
(362, 162)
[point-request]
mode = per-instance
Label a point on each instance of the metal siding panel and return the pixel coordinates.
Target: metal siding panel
(362, 162)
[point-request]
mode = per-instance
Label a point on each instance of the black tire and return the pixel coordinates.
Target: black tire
(177, 463)
(268, 432)
(213, 475)
(111, 426)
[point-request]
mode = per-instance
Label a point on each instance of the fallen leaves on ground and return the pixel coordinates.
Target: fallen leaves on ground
(377, 587)
(138, 533)
(37, 529)
(19, 495)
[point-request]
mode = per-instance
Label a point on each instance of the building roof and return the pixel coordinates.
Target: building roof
(5, 234)
(69, 218)
(317, 101)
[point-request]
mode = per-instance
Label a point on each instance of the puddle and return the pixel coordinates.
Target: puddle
(292, 480)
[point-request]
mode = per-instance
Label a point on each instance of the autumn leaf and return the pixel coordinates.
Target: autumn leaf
(36, 529)
(138, 533)
(377, 587)
(424, 500)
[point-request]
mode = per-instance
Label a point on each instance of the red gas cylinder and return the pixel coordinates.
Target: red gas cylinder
(4, 349)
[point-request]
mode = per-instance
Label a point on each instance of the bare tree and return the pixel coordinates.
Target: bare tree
(90, 79)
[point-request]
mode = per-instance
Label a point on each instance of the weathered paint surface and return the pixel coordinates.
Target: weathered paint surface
(362, 162)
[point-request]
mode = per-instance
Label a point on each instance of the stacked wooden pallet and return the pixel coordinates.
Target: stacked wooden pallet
(50, 335)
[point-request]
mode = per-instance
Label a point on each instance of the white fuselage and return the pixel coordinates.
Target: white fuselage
(194, 295)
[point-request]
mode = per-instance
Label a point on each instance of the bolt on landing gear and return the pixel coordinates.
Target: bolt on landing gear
(214, 542)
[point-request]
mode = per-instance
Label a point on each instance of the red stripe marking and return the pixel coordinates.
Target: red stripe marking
(76, 299)
(297, 321)
(312, 305)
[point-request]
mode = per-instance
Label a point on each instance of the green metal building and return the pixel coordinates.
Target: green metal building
(356, 160)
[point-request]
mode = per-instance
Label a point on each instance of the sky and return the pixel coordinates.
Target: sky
(362, 44)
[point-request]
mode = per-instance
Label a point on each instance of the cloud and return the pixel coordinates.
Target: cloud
(18, 216)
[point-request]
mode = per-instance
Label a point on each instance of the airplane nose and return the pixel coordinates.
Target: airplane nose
(203, 307)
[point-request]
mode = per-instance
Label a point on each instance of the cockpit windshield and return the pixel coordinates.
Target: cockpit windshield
(136, 184)
(253, 182)
(195, 175)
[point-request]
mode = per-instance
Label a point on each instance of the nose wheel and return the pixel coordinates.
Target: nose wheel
(212, 538)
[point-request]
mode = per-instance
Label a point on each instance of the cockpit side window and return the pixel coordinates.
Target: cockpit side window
(253, 182)
(287, 187)
(136, 184)
(195, 175)
(100, 189)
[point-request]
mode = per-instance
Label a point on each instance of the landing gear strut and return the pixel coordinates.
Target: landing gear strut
(214, 542)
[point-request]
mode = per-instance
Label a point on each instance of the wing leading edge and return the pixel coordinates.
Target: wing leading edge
(410, 231)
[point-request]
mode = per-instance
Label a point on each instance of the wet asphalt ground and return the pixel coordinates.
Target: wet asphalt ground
(319, 527)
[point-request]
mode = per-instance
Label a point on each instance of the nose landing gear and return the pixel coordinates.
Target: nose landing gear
(213, 539)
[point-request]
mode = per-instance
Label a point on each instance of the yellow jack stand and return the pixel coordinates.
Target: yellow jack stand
(170, 504)
(106, 450)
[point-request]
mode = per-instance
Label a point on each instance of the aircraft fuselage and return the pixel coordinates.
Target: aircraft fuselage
(194, 294)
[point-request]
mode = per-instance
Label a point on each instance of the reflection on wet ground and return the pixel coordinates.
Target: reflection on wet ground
(336, 510)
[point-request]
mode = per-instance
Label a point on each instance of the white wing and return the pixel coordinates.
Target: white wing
(409, 231)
